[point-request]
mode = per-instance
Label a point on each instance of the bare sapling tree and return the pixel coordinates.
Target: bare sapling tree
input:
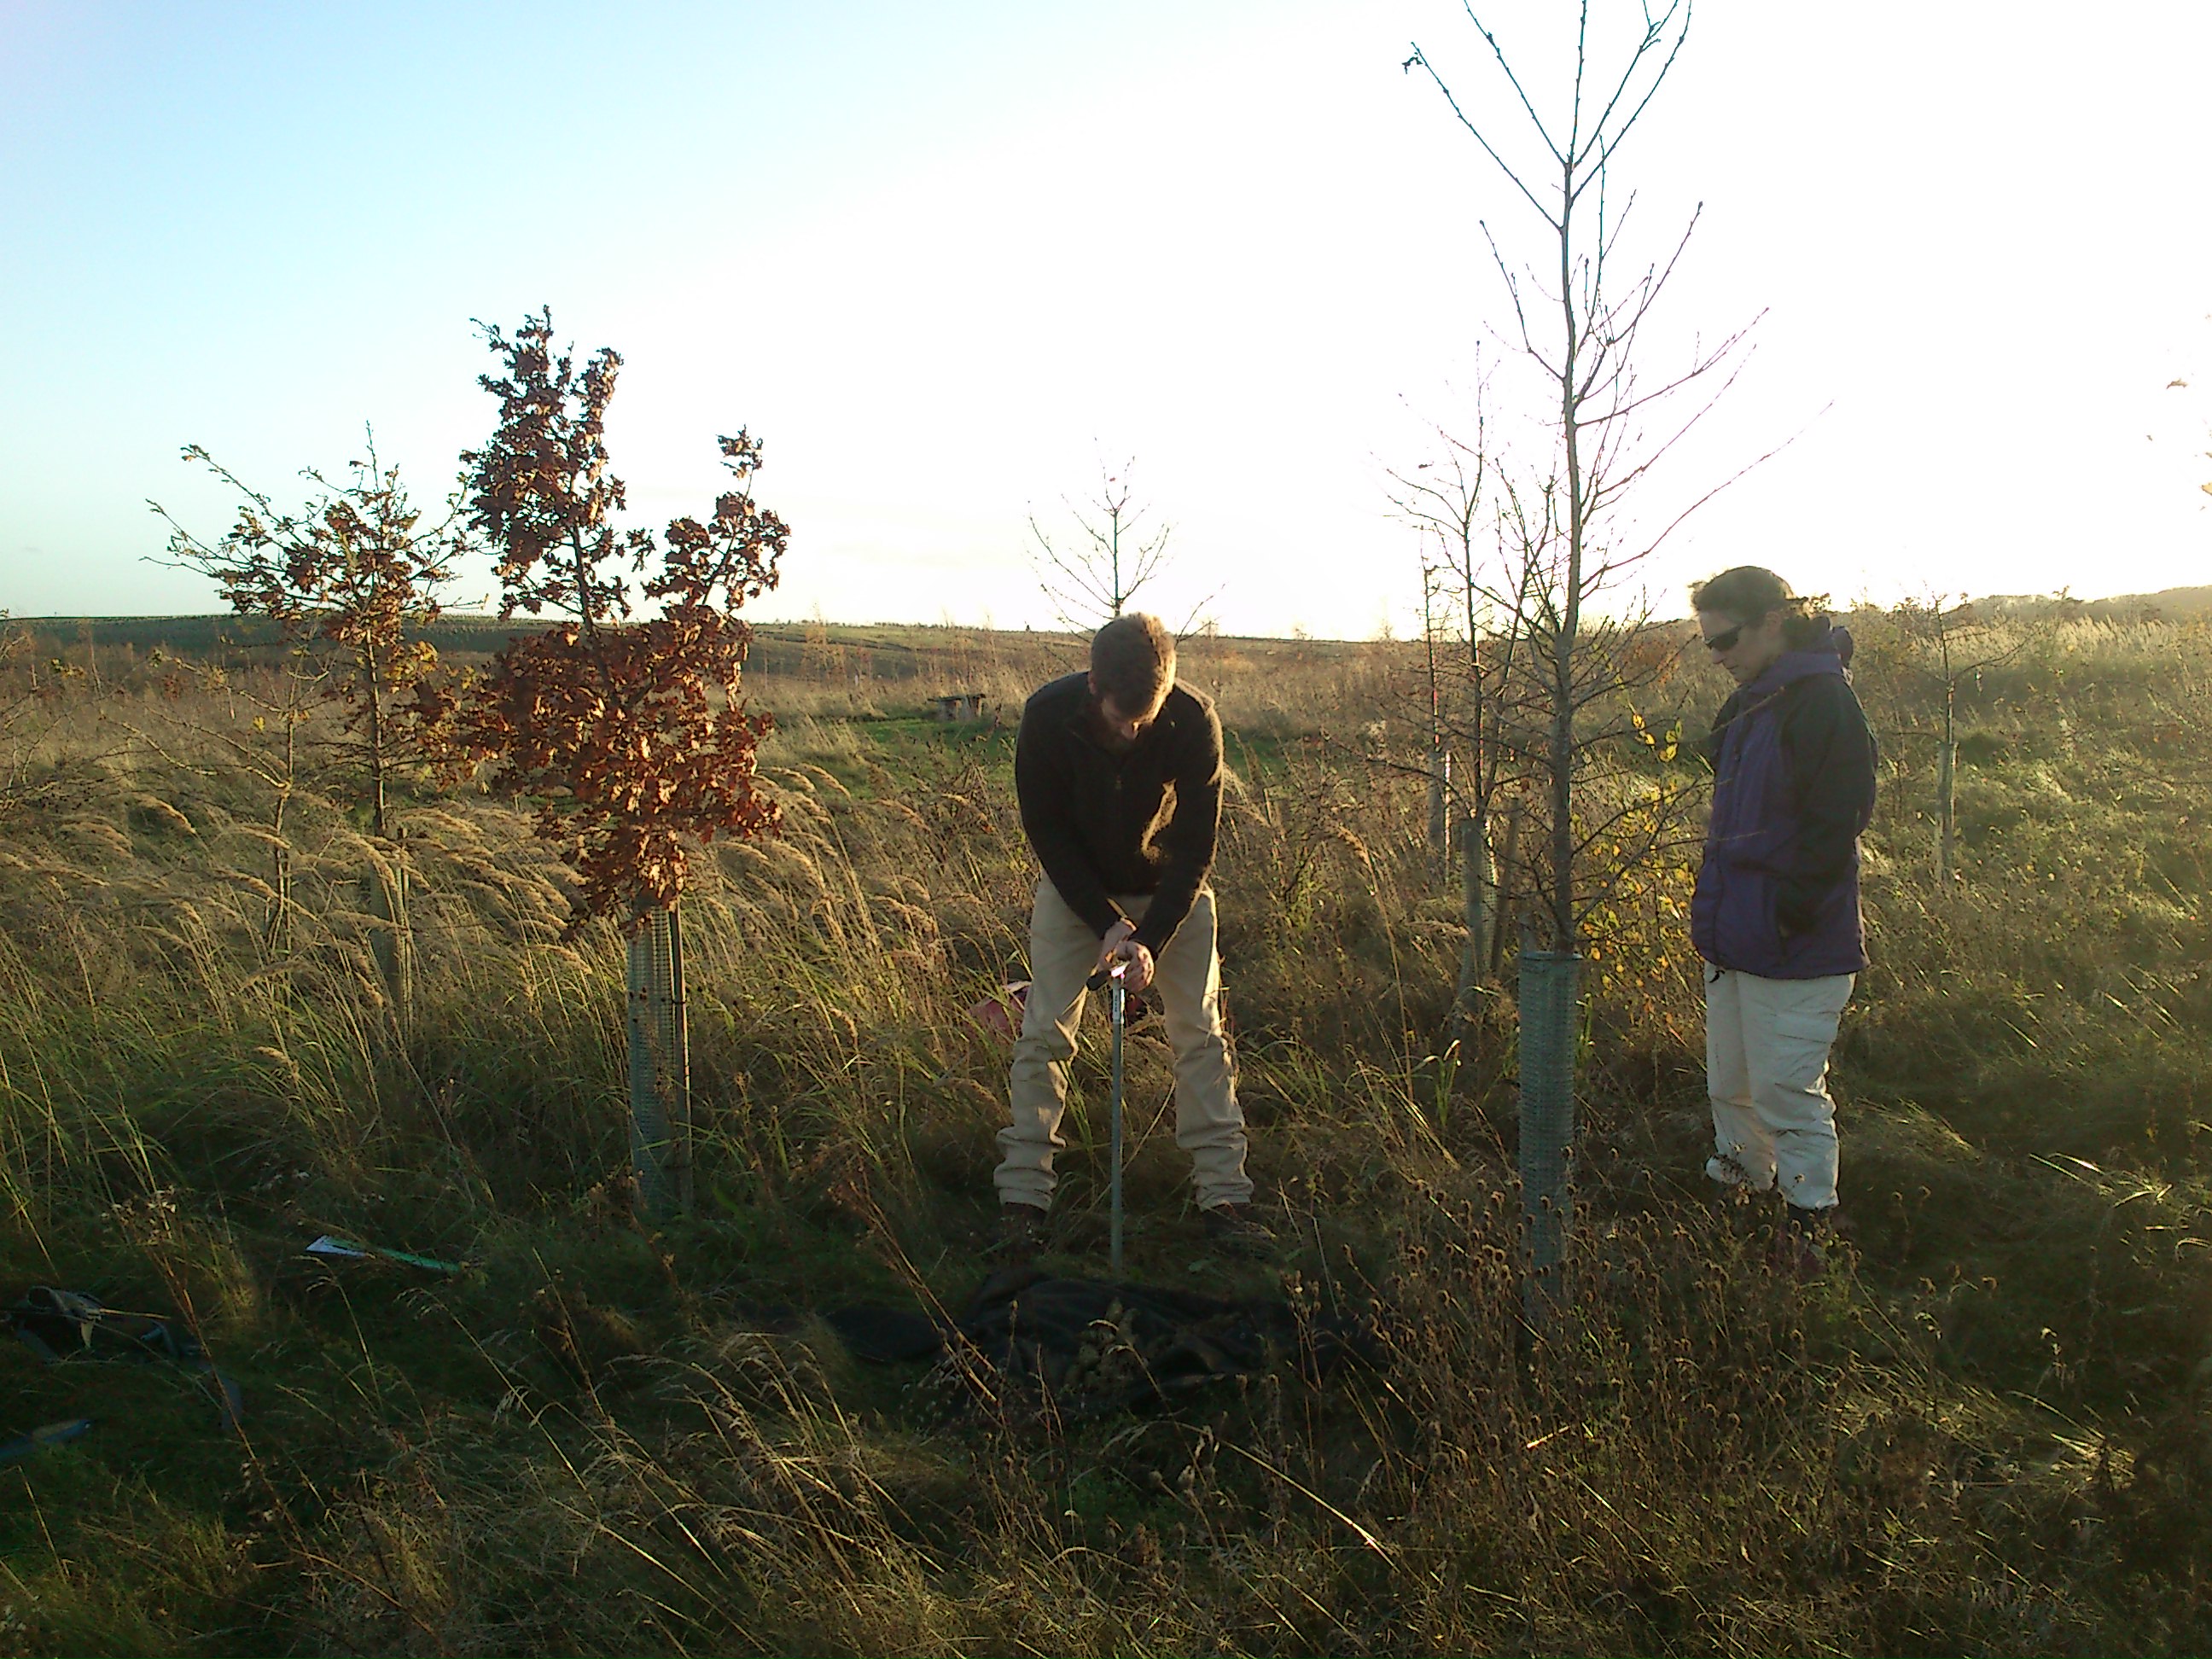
(358, 568)
(1578, 318)
(1961, 644)
(632, 735)
(1093, 580)
(1438, 762)
(1495, 547)
(1476, 614)
(352, 578)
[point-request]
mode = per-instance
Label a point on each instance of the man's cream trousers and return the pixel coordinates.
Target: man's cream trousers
(1209, 1126)
(1766, 1067)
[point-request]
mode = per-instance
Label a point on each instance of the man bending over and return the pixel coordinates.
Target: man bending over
(1119, 773)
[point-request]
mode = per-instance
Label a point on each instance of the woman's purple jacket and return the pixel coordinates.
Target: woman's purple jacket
(1793, 788)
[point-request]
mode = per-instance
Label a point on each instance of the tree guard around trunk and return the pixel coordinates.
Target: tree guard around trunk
(660, 1064)
(1548, 984)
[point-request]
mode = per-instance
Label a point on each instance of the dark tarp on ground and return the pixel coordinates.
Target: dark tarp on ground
(1093, 1346)
(64, 1325)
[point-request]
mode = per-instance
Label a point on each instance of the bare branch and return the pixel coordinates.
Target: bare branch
(1657, 81)
(1098, 583)
(1503, 168)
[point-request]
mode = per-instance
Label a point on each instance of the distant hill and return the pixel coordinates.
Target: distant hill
(2169, 604)
(779, 645)
(198, 636)
(881, 651)
(889, 647)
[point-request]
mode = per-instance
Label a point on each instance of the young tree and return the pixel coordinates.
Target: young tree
(1437, 762)
(1578, 321)
(1479, 615)
(351, 579)
(1961, 644)
(1091, 583)
(633, 735)
(357, 569)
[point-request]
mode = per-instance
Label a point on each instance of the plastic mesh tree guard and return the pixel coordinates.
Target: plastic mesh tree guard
(660, 1064)
(1549, 979)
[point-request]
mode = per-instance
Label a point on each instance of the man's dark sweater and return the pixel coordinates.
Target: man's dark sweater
(1104, 822)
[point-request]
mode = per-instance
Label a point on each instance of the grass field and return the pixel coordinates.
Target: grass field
(1985, 1430)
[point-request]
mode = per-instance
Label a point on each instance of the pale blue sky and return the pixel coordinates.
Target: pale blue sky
(943, 258)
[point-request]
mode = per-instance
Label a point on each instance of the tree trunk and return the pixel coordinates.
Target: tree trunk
(376, 762)
(1549, 978)
(277, 939)
(384, 896)
(1502, 896)
(1439, 814)
(1479, 897)
(1947, 773)
(659, 1064)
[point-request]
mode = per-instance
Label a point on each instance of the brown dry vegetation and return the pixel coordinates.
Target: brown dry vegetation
(1984, 1430)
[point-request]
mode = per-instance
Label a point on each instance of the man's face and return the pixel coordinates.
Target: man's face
(1122, 727)
(1746, 650)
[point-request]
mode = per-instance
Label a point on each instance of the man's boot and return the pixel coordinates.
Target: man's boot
(1236, 1229)
(1021, 1234)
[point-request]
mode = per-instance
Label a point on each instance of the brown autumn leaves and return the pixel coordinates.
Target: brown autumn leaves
(631, 733)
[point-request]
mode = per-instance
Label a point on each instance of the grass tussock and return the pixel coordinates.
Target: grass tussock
(233, 1027)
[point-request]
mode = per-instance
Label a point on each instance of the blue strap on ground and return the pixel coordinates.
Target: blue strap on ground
(52, 1434)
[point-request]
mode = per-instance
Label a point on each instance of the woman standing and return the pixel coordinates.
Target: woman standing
(1776, 916)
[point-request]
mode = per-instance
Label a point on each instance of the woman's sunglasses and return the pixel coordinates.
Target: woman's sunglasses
(1725, 640)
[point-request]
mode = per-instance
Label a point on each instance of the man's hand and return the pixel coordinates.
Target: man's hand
(1139, 973)
(1119, 947)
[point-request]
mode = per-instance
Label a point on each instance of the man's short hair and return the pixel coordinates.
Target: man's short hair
(1133, 660)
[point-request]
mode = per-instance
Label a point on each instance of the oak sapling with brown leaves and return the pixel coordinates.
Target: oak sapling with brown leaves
(632, 735)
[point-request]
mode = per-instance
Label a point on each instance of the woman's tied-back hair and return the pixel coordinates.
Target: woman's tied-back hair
(1750, 593)
(1133, 660)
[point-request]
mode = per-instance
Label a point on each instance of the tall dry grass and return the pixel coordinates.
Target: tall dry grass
(1980, 1432)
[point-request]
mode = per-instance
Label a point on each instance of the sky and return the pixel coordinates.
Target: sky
(951, 262)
